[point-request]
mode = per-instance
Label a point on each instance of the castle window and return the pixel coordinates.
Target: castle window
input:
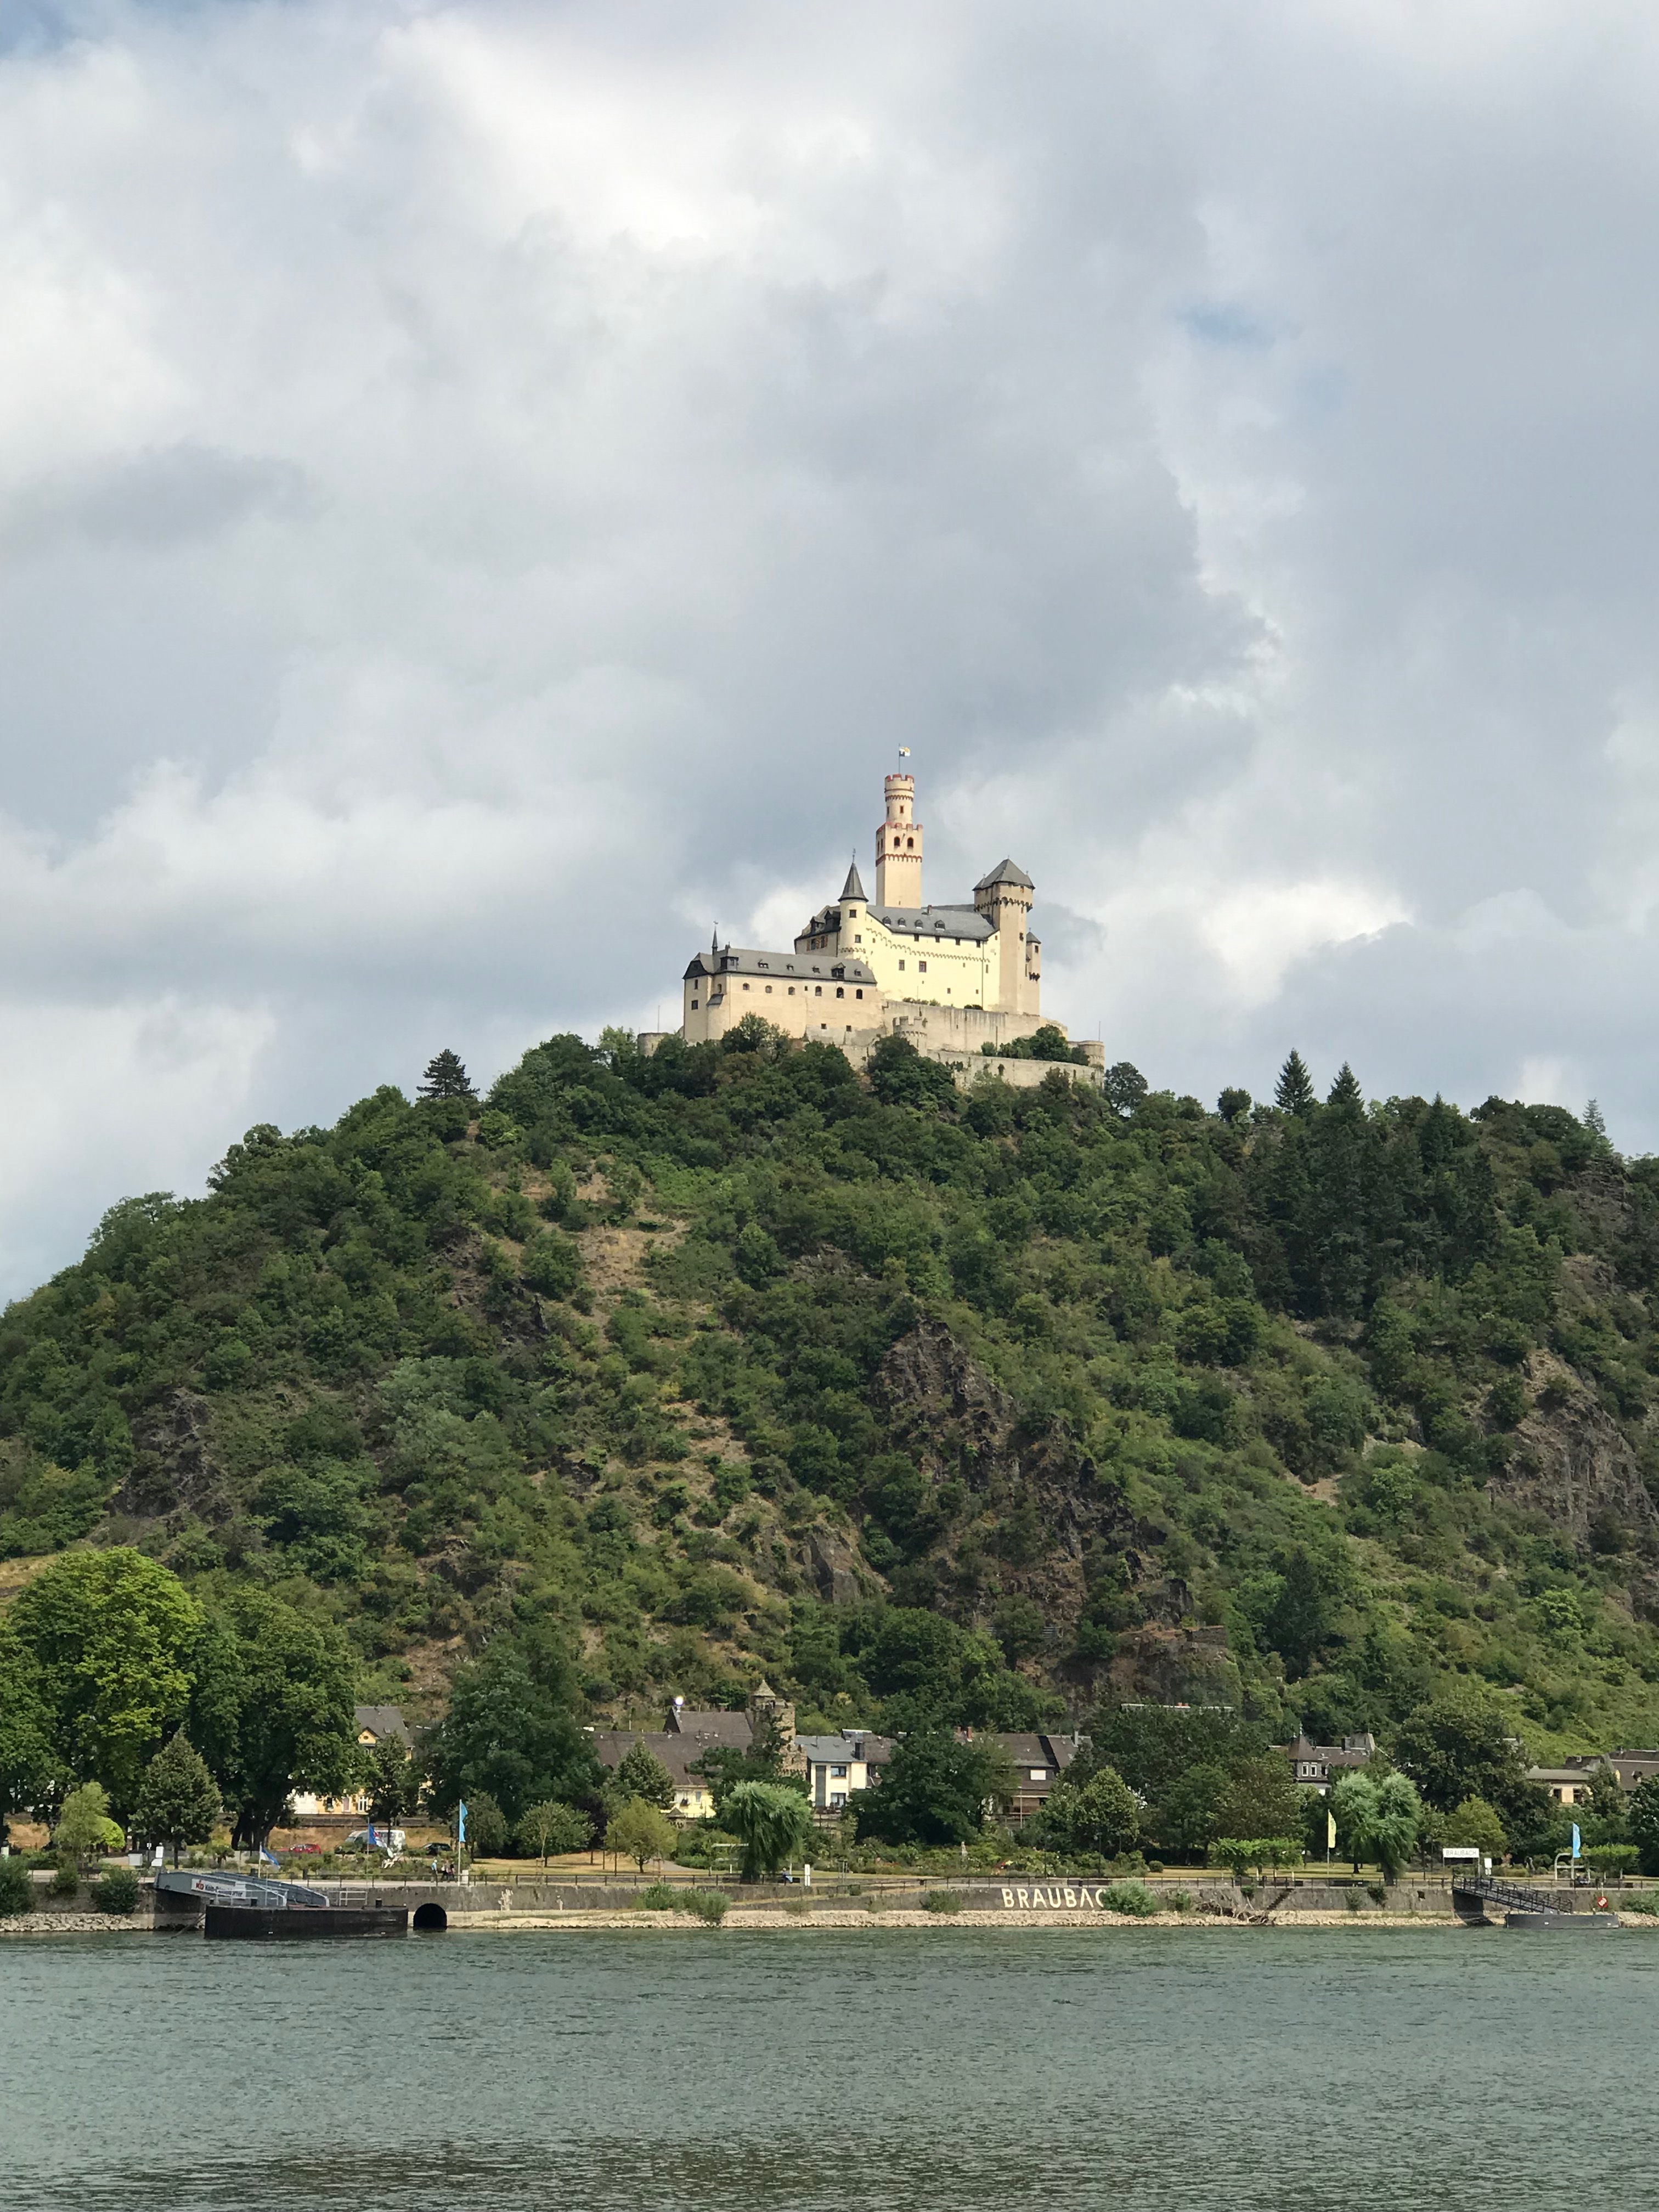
(922, 967)
(745, 987)
(840, 994)
(694, 1006)
(768, 990)
(910, 843)
(901, 964)
(859, 994)
(792, 990)
(817, 993)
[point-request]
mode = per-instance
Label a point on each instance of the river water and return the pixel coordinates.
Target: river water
(936, 2070)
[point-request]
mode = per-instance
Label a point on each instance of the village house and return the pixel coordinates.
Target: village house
(838, 1766)
(1568, 1785)
(693, 1799)
(1315, 1764)
(1038, 1762)
(375, 1724)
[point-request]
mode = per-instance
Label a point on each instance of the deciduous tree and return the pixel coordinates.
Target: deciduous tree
(1377, 1819)
(84, 1826)
(640, 1832)
(272, 1709)
(548, 1830)
(510, 1729)
(1098, 1820)
(772, 1823)
(933, 1790)
(111, 1637)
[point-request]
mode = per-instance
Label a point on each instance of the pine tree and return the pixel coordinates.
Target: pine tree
(177, 1803)
(1345, 1091)
(446, 1078)
(1594, 1121)
(1295, 1093)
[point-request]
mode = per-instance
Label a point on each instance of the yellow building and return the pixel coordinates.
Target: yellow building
(953, 978)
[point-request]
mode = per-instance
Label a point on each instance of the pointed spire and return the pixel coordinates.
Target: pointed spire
(714, 941)
(852, 889)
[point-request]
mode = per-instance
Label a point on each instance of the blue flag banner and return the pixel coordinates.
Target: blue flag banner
(266, 1856)
(1574, 1838)
(460, 1824)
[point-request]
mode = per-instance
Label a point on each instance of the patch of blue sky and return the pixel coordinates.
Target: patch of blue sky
(1226, 323)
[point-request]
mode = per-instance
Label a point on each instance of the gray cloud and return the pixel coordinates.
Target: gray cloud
(181, 494)
(486, 489)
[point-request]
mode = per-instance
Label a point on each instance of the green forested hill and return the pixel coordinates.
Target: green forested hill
(729, 1361)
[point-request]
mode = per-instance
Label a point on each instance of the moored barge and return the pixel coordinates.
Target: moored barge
(247, 1907)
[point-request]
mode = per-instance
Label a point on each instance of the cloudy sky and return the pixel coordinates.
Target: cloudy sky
(485, 489)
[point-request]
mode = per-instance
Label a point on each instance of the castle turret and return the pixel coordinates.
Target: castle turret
(898, 847)
(1004, 897)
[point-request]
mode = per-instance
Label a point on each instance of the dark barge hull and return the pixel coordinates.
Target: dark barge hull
(1568, 1923)
(260, 1923)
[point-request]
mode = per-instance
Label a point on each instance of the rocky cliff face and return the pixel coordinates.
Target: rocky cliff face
(1572, 1463)
(1030, 1516)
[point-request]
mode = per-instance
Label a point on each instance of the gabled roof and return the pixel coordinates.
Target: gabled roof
(732, 1729)
(381, 1722)
(827, 966)
(837, 1750)
(935, 921)
(1006, 872)
(678, 1753)
(852, 887)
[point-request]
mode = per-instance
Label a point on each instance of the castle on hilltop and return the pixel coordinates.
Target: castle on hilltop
(952, 979)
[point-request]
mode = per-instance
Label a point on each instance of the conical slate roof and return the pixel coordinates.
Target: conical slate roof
(852, 887)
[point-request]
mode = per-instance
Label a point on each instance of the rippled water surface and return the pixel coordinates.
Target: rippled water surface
(734, 2072)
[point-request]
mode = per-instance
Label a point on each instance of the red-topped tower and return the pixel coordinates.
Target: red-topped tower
(898, 847)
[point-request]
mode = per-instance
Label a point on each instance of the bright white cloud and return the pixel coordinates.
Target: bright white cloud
(484, 487)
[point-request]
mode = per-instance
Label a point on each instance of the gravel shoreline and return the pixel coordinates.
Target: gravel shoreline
(774, 1920)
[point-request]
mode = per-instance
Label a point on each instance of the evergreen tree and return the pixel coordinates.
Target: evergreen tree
(446, 1078)
(178, 1803)
(1345, 1091)
(642, 1774)
(1294, 1093)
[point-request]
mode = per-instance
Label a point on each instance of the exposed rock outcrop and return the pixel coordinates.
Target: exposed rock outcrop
(1572, 1463)
(176, 1466)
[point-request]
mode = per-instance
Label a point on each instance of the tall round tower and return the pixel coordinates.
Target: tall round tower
(898, 847)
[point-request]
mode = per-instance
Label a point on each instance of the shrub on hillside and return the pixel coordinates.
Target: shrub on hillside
(16, 1890)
